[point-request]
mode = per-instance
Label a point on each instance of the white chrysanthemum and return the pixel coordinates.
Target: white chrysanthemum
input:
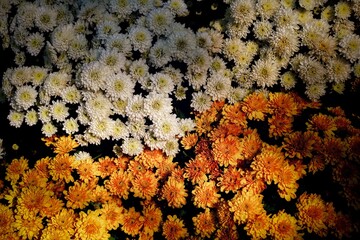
(338, 87)
(48, 129)
(159, 54)
(25, 96)
(199, 61)
(196, 79)
(288, 80)
(141, 38)
(56, 82)
(288, 3)
(203, 39)
(304, 16)
(137, 127)
(217, 40)
(143, 6)
(315, 91)
(234, 48)
(285, 42)
(267, 8)
(178, 7)
(312, 71)
(119, 85)
(186, 125)
(101, 128)
(120, 42)
(217, 64)
(166, 127)
(263, 29)
(44, 113)
(119, 106)
(339, 70)
(78, 47)
(82, 155)
(106, 28)
(45, 18)
(160, 20)
(237, 94)
(171, 147)
(243, 11)
(38, 75)
(156, 105)
(180, 92)
(182, 43)
(132, 146)
(62, 37)
(152, 142)
(243, 77)
(200, 101)
(286, 17)
(325, 48)
(70, 126)
(97, 106)
(175, 73)
(82, 115)
(59, 111)
(114, 59)
(122, 8)
(35, 42)
(135, 108)
(19, 76)
(16, 118)
(238, 30)
(88, 138)
(94, 76)
(218, 86)
(308, 4)
(31, 117)
(328, 13)
(120, 130)
(71, 94)
(350, 47)
(26, 13)
(265, 72)
(162, 83)
(44, 97)
(342, 9)
(139, 70)
(343, 28)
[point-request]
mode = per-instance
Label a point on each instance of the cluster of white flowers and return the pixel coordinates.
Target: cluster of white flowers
(113, 69)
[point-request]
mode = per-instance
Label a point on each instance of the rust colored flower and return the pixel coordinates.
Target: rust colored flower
(132, 222)
(174, 193)
(204, 120)
(322, 123)
(189, 140)
(255, 106)
(205, 195)
(16, 169)
(174, 228)
(232, 179)
(342, 124)
(251, 145)
(280, 125)
(91, 225)
(119, 184)
(258, 226)
(269, 164)
(87, 169)
(33, 199)
(282, 104)
(152, 219)
(317, 163)
(107, 166)
(204, 223)
(28, 226)
(64, 144)
(33, 177)
(151, 158)
(196, 169)
(233, 114)
(227, 151)
(334, 150)
(300, 144)
(287, 182)
(343, 227)
(284, 226)
(144, 185)
(51, 207)
(354, 147)
(42, 167)
(61, 167)
(111, 212)
(78, 196)
(6, 219)
(224, 129)
(165, 168)
(246, 205)
(63, 221)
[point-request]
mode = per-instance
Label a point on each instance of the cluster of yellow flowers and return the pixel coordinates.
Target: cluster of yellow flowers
(213, 189)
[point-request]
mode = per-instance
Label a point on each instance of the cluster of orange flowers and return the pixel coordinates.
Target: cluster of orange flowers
(73, 196)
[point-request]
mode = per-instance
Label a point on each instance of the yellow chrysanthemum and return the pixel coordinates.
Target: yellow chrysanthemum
(28, 226)
(174, 193)
(152, 219)
(91, 225)
(258, 226)
(64, 144)
(16, 169)
(204, 223)
(205, 195)
(284, 226)
(61, 167)
(112, 215)
(132, 222)
(6, 219)
(174, 228)
(145, 185)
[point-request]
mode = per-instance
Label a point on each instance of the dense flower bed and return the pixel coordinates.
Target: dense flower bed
(179, 119)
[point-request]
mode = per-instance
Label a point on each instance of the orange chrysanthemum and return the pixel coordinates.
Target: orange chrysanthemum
(16, 169)
(322, 123)
(334, 150)
(204, 120)
(233, 114)
(354, 147)
(61, 167)
(196, 169)
(50, 233)
(152, 219)
(342, 124)
(205, 195)
(151, 158)
(284, 226)
(224, 129)
(6, 219)
(33, 199)
(135, 167)
(255, 106)
(87, 169)
(33, 177)
(51, 207)
(317, 163)
(227, 151)
(343, 226)
(132, 222)
(78, 196)
(42, 167)
(64, 144)
(91, 225)
(269, 164)
(111, 213)
(280, 125)
(119, 184)
(107, 166)
(337, 111)
(174, 193)
(282, 104)
(144, 185)
(174, 228)
(165, 168)
(258, 226)
(63, 221)
(204, 223)
(28, 226)
(300, 144)
(251, 145)
(189, 140)
(246, 205)
(287, 182)
(231, 179)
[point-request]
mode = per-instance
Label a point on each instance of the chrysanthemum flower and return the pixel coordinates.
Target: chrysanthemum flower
(287, 182)
(258, 226)
(25, 96)
(227, 151)
(16, 118)
(31, 117)
(231, 179)
(255, 106)
(16, 169)
(354, 147)
(350, 47)
(284, 226)
(91, 225)
(132, 222)
(60, 167)
(33, 177)
(174, 192)
(140, 37)
(282, 104)
(78, 195)
(174, 228)
(205, 195)
(196, 169)
(280, 125)
(28, 226)
(288, 80)
(144, 185)
(152, 219)
(119, 184)
(6, 219)
(300, 144)
(343, 226)
(189, 141)
(322, 123)
(204, 223)
(63, 221)
(111, 212)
